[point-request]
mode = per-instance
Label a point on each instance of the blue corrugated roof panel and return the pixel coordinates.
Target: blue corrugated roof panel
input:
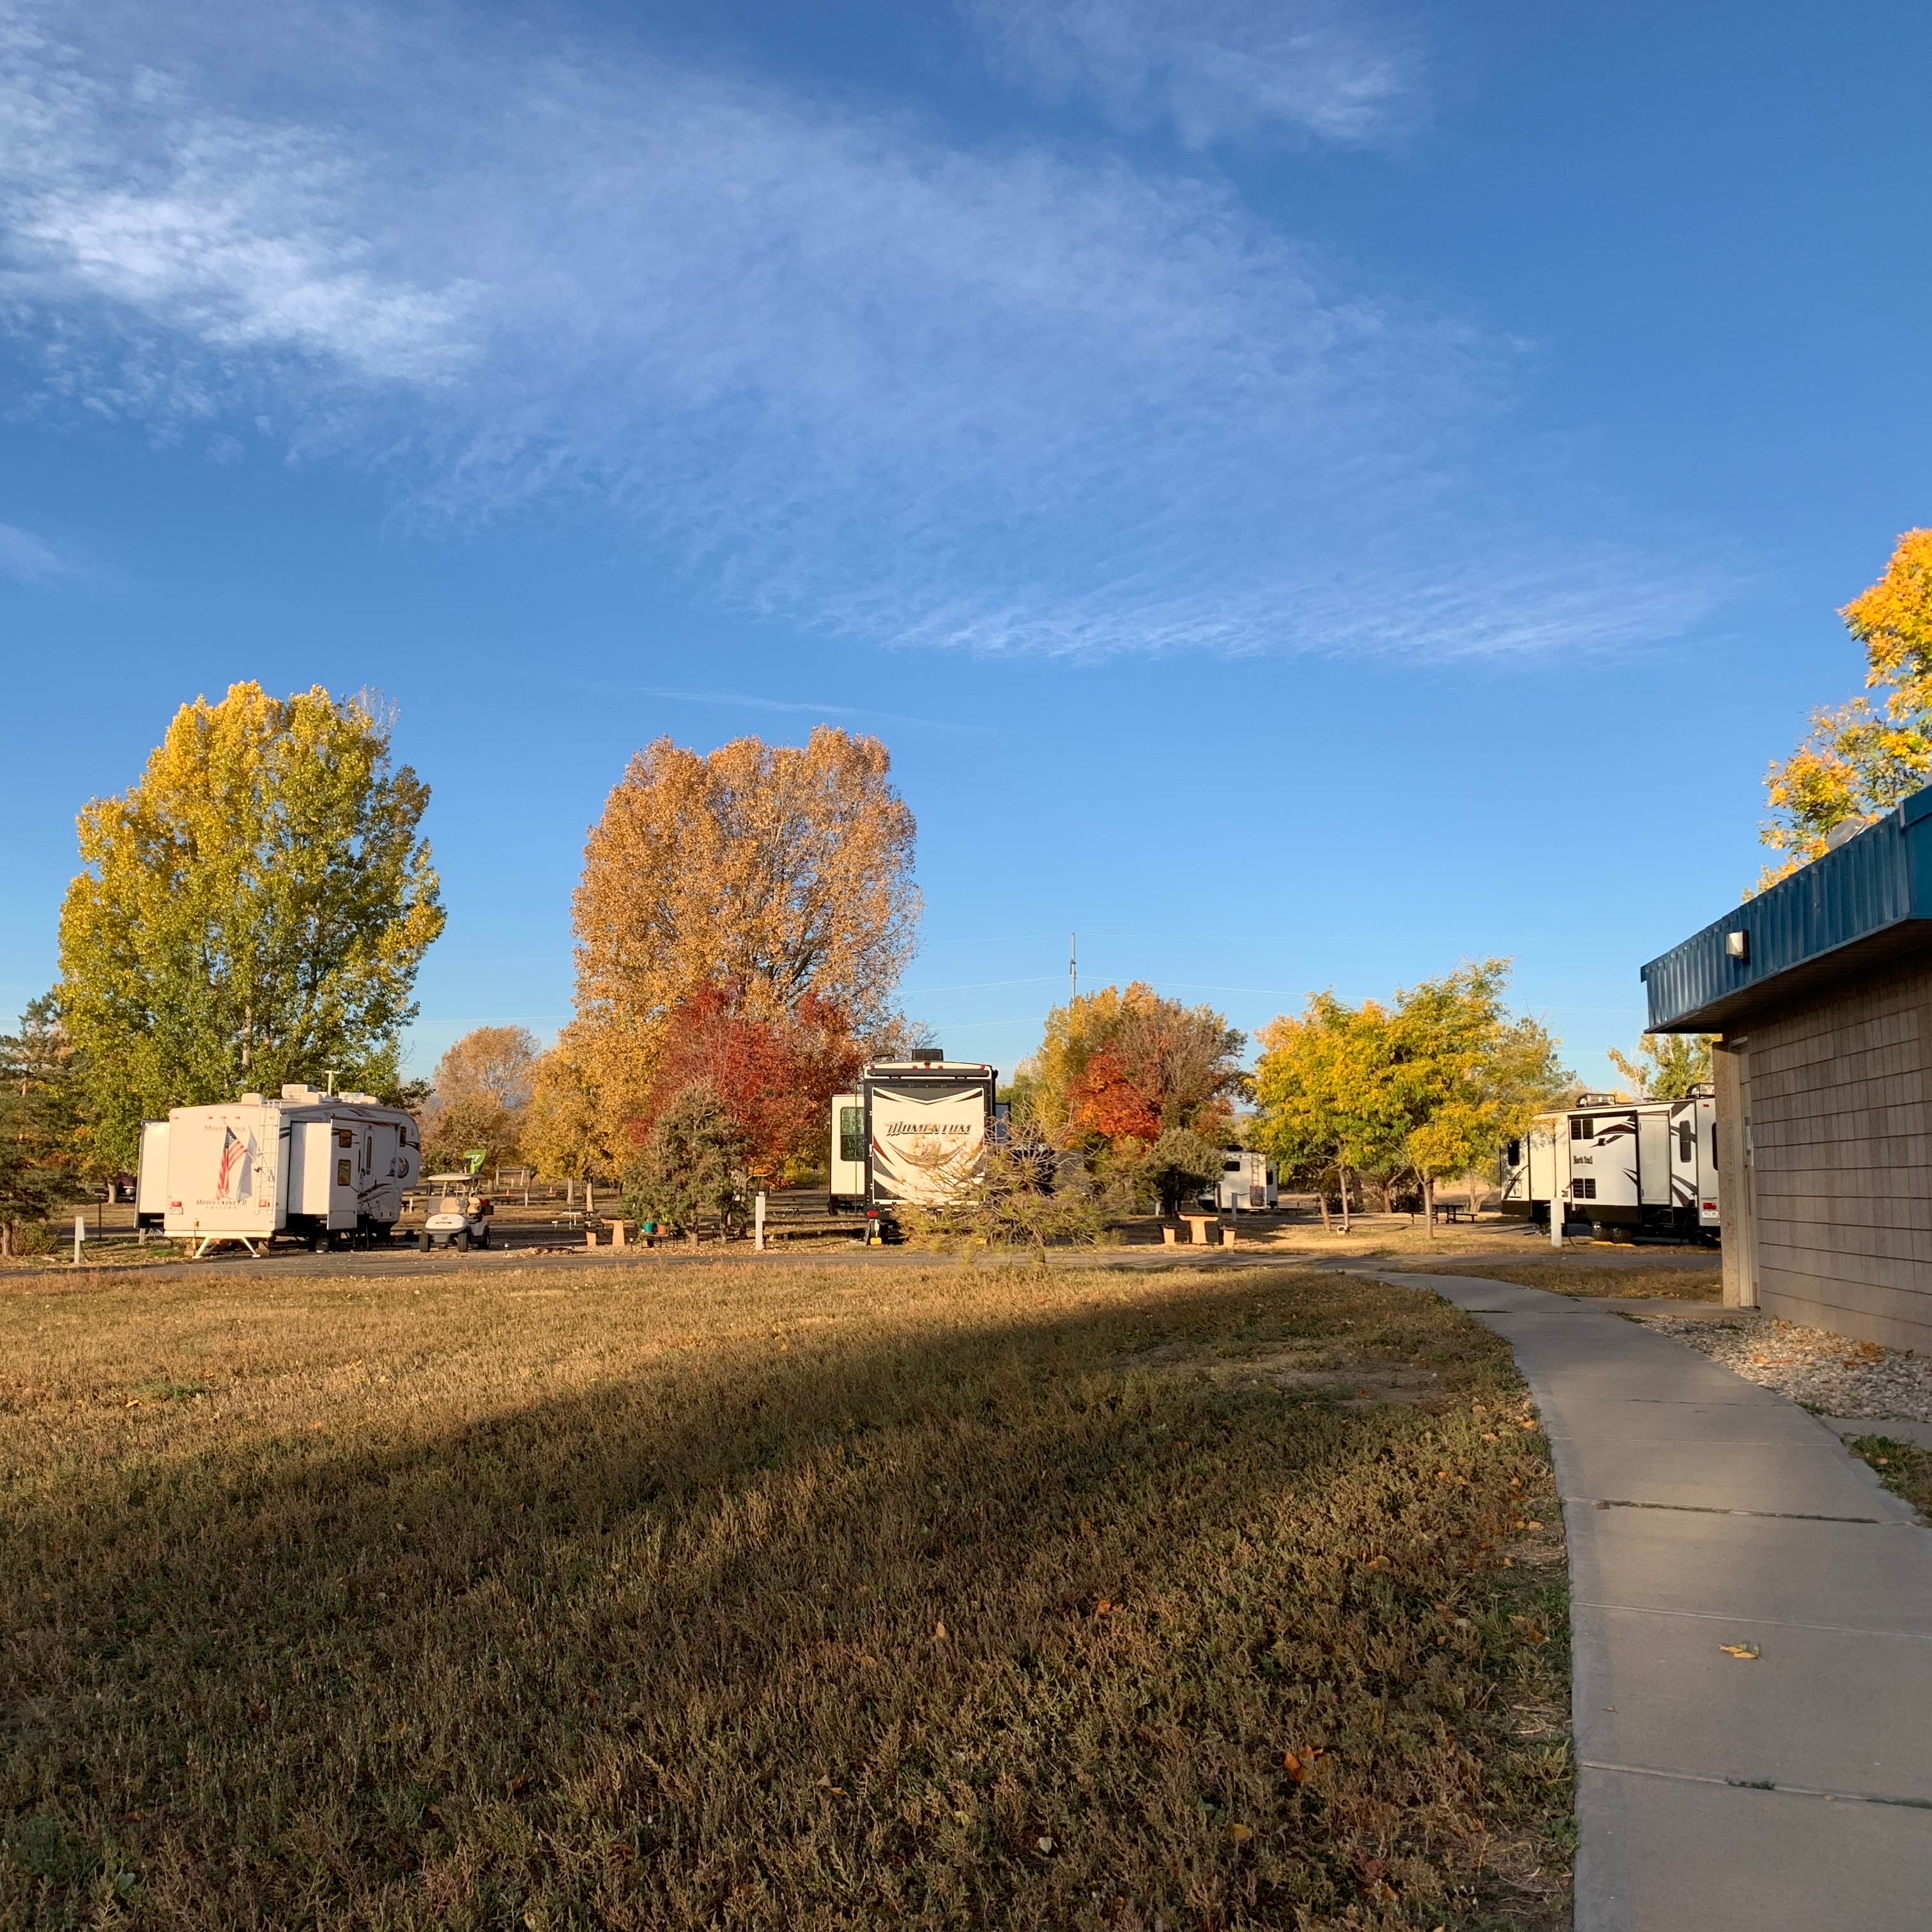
(1871, 898)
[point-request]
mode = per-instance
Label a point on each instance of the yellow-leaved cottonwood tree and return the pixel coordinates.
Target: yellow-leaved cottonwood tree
(1860, 760)
(253, 910)
(1431, 1084)
(779, 870)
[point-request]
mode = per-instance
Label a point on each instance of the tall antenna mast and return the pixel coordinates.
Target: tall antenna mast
(1073, 966)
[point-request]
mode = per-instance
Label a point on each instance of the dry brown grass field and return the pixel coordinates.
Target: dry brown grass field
(749, 1595)
(1664, 1281)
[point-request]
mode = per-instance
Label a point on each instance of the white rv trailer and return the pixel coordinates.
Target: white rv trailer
(914, 1134)
(1624, 1166)
(1247, 1183)
(321, 1167)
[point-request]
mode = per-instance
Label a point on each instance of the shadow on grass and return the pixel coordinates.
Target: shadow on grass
(988, 1625)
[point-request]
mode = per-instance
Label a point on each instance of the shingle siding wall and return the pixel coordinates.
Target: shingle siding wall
(1838, 1102)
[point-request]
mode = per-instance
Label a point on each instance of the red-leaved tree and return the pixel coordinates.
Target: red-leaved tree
(773, 1074)
(1159, 1065)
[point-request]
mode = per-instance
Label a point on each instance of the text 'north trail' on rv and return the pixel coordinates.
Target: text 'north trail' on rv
(1626, 1167)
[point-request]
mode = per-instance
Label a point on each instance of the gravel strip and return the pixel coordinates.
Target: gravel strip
(1824, 1371)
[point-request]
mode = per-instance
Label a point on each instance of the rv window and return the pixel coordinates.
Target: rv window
(1231, 1166)
(1714, 1147)
(852, 1133)
(342, 1179)
(1586, 1190)
(1687, 1141)
(1513, 1153)
(344, 1138)
(1581, 1127)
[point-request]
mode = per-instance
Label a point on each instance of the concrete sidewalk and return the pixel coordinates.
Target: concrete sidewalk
(1793, 1793)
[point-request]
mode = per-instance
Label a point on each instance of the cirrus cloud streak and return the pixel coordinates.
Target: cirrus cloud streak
(833, 364)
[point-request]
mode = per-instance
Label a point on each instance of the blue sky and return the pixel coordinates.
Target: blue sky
(1309, 493)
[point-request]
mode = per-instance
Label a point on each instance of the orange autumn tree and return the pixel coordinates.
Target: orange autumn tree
(780, 871)
(1115, 1065)
(772, 1072)
(1142, 1084)
(1859, 759)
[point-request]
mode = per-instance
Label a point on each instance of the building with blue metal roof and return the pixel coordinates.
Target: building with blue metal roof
(1821, 988)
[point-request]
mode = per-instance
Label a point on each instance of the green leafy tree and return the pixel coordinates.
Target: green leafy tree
(43, 1147)
(253, 911)
(691, 1167)
(1178, 1164)
(1667, 1066)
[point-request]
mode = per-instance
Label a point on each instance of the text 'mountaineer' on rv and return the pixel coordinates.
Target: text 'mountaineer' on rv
(1626, 1167)
(914, 1134)
(321, 1167)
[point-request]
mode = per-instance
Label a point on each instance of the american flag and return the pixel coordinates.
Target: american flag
(231, 1182)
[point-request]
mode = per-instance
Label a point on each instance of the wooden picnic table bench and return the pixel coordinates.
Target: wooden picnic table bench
(1197, 1225)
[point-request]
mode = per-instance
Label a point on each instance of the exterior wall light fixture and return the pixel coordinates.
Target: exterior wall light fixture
(1737, 945)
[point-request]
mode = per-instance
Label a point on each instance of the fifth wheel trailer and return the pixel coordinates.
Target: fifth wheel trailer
(914, 1134)
(1625, 1166)
(319, 1167)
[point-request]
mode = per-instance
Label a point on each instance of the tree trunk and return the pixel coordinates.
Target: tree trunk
(1429, 1204)
(1321, 1195)
(1342, 1167)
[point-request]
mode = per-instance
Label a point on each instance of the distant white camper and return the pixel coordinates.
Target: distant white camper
(326, 1169)
(1246, 1183)
(914, 1134)
(1626, 1167)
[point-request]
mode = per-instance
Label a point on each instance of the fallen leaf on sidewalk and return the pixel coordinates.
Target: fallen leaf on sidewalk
(1745, 1653)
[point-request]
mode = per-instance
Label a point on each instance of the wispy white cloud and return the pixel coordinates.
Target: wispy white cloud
(745, 701)
(1215, 69)
(27, 558)
(837, 367)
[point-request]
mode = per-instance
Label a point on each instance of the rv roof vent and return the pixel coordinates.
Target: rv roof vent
(360, 1099)
(251, 1100)
(927, 1056)
(295, 1090)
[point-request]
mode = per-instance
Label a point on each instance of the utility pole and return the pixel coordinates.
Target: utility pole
(1072, 966)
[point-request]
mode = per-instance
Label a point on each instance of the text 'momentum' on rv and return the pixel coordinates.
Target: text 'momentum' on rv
(914, 1134)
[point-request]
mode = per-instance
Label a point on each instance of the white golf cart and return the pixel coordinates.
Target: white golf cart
(458, 1213)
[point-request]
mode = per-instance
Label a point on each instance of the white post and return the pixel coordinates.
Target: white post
(589, 1198)
(758, 1222)
(80, 1235)
(1555, 1202)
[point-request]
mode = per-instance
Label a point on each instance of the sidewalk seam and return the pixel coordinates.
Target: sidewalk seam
(1765, 1784)
(1757, 1623)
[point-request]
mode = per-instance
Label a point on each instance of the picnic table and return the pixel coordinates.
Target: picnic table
(1197, 1225)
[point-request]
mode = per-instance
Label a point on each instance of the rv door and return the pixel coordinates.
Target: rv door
(847, 1165)
(150, 1187)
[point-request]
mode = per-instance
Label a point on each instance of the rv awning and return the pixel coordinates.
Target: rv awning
(1868, 901)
